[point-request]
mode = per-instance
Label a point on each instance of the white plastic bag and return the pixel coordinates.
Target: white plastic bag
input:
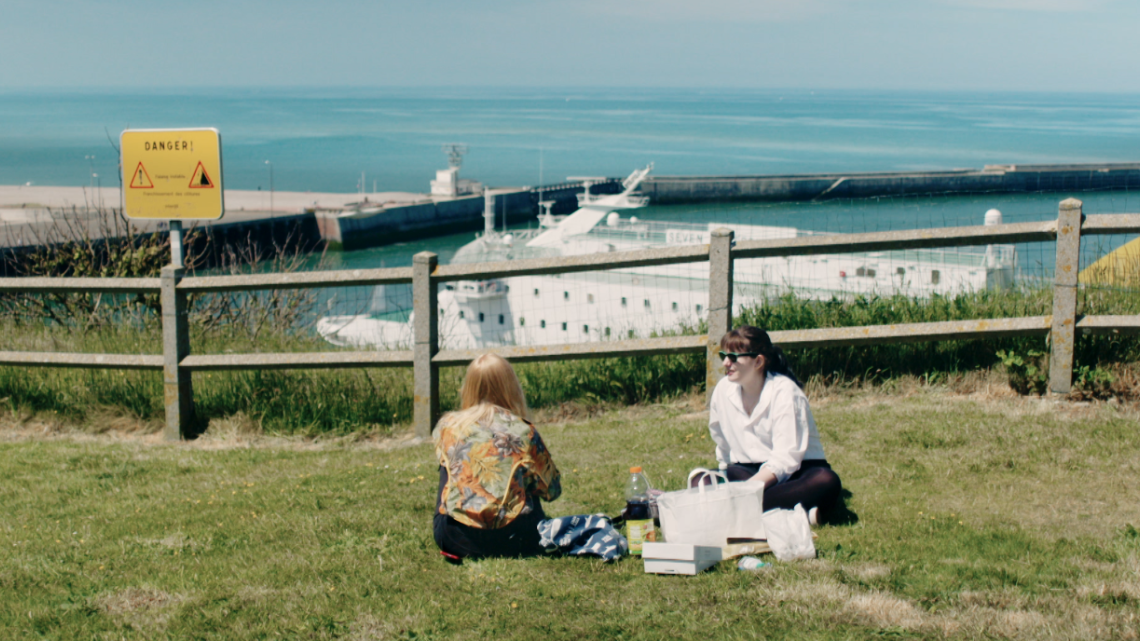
(710, 514)
(789, 533)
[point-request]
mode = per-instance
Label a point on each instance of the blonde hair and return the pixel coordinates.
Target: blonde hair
(491, 382)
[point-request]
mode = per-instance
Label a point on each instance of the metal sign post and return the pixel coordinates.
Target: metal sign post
(176, 243)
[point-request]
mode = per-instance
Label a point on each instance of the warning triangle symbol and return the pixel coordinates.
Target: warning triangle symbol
(140, 179)
(200, 179)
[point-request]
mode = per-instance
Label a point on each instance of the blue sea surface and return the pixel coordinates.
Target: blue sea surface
(324, 139)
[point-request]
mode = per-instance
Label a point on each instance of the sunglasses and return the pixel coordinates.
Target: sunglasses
(732, 356)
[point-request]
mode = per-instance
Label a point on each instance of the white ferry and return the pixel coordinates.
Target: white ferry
(637, 302)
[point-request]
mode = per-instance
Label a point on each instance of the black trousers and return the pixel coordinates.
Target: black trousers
(813, 485)
(519, 538)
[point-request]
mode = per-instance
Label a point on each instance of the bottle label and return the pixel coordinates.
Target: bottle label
(639, 532)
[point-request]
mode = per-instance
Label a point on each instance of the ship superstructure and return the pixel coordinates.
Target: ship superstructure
(580, 307)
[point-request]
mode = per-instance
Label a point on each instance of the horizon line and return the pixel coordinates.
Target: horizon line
(698, 89)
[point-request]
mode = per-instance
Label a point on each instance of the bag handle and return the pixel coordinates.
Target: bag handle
(705, 473)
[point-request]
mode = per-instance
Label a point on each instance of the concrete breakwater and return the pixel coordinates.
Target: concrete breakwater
(350, 221)
(664, 190)
(213, 243)
(379, 226)
(370, 225)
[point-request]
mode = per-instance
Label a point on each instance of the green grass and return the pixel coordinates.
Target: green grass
(1002, 519)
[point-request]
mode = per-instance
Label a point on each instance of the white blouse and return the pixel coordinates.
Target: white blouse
(781, 431)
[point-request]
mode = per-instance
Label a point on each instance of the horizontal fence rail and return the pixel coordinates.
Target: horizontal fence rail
(1108, 324)
(913, 332)
(81, 360)
(895, 240)
(947, 331)
(299, 360)
(1111, 224)
(53, 285)
(425, 275)
(570, 351)
(298, 280)
(570, 264)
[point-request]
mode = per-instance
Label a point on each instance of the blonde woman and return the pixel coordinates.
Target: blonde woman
(494, 469)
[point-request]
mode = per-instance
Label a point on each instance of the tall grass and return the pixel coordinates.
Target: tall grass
(344, 401)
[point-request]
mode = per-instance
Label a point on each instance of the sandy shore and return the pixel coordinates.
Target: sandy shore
(14, 198)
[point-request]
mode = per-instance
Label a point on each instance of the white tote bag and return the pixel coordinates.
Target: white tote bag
(711, 514)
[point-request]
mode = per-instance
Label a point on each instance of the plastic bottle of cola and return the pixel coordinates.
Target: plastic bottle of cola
(638, 521)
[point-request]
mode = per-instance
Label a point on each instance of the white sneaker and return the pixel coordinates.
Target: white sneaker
(813, 516)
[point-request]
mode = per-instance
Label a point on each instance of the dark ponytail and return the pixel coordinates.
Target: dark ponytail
(747, 338)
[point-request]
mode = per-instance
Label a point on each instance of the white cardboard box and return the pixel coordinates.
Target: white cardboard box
(679, 558)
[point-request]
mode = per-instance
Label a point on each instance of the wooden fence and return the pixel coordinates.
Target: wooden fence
(426, 357)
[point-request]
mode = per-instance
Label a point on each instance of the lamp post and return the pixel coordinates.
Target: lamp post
(91, 161)
(270, 187)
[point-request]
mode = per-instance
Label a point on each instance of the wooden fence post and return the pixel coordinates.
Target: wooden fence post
(425, 332)
(178, 393)
(720, 302)
(1063, 333)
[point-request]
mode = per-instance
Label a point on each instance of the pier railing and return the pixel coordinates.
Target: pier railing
(425, 275)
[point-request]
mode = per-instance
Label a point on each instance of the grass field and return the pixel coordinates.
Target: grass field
(983, 516)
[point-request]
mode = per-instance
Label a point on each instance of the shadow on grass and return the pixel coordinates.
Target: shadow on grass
(842, 515)
(197, 427)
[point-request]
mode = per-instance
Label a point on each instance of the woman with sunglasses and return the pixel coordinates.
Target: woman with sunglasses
(762, 425)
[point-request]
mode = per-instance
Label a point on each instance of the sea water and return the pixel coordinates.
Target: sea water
(351, 140)
(324, 139)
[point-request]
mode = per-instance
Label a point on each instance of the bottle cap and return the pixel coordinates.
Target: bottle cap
(635, 470)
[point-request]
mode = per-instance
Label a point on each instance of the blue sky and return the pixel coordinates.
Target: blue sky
(1034, 45)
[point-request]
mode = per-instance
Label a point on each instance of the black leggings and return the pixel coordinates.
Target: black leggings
(519, 538)
(813, 485)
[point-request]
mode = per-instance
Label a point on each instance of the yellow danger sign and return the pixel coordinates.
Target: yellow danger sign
(172, 174)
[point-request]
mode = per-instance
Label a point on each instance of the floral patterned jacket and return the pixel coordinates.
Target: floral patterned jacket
(496, 469)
